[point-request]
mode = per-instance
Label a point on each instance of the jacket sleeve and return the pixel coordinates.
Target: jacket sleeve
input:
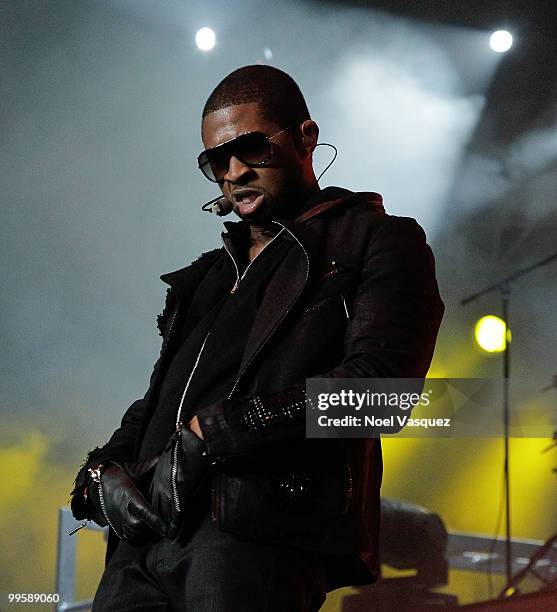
(122, 444)
(395, 318)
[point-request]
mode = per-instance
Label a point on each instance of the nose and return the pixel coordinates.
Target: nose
(236, 170)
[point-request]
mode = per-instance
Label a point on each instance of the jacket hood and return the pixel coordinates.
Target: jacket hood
(332, 197)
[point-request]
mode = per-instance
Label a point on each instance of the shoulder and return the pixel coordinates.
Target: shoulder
(182, 281)
(403, 227)
(365, 218)
(204, 260)
(367, 208)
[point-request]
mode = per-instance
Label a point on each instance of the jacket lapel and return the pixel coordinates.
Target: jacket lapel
(283, 291)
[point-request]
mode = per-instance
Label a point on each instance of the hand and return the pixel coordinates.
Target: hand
(181, 470)
(120, 504)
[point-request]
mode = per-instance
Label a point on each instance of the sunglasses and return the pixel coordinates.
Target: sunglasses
(252, 149)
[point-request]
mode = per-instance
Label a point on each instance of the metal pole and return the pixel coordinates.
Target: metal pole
(65, 562)
(505, 287)
(506, 290)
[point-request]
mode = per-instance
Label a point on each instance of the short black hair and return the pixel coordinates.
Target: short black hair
(277, 93)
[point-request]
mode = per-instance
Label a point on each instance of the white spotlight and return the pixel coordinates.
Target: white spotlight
(501, 41)
(205, 39)
(268, 53)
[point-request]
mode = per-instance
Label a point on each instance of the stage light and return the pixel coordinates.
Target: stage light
(501, 41)
(205, 39)
(268, 53)
(491, 334)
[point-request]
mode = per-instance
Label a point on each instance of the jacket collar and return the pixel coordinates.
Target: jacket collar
(320, 203)
(186, 279)
(333, 197)
(290, 279)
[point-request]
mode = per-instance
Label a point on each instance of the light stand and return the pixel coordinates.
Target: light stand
(504, 287)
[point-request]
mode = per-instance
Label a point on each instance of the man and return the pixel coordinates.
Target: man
(216, 500)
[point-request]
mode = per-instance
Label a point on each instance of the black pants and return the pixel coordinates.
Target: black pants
(213, 572)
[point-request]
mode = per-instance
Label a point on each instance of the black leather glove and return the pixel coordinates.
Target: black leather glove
(181, 471)
(120, 504)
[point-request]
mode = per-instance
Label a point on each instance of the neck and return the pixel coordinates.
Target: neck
(294, 203)
(263, 230)
(312, 190)
(261, 234)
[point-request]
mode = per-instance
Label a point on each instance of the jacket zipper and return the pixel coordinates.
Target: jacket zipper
(328, 300)
(235, 267)
(239, 278)
(96, 476)
(348, 485)
(101, 498)
(215, 508)
(214, 504)
(179, 425)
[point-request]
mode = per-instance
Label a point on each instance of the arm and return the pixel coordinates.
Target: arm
(395, 318)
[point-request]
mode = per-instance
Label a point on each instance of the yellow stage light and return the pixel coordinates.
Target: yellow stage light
(491, 334)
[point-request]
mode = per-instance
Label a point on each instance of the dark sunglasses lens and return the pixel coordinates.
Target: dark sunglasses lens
(205, 167)
(213, 164)
(252, 148)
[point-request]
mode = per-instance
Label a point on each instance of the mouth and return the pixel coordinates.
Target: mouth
(247, 200)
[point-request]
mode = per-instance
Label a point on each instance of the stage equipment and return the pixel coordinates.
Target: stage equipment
(491, 334)
(545, 601)
(543, 564)
(205, 39)
(413, 537)
(504, 287)
(501, 41)
(542, 568)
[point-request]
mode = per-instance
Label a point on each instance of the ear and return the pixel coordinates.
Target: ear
(306, 137)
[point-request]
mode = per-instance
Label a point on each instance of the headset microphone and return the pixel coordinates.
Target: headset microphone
(220, 206)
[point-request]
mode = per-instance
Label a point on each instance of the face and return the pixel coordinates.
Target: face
(260, 192)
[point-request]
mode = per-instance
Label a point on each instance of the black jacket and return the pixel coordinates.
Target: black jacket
(356, 297)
